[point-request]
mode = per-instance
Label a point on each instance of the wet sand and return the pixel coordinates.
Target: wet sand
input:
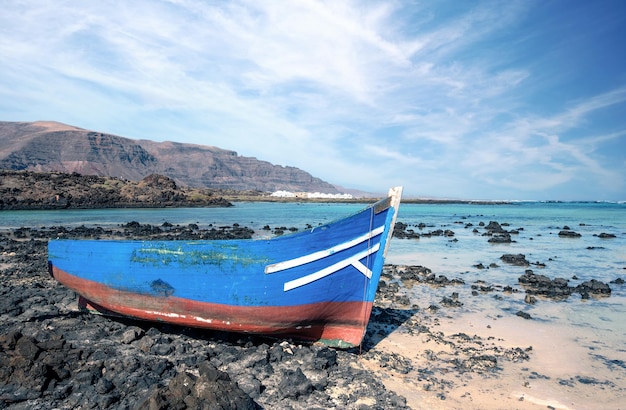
(555, 375)
(472, 356)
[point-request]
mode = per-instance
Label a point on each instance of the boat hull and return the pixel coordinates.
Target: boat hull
(337, 324)
(315, 285)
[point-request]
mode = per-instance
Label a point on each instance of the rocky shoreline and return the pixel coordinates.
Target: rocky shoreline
(54, 356)
(25, 190)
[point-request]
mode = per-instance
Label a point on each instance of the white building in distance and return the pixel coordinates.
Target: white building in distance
(310, 195)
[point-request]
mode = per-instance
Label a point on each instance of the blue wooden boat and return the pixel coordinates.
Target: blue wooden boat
(316, 285)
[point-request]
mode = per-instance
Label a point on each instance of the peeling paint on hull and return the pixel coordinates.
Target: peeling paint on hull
(341, 324)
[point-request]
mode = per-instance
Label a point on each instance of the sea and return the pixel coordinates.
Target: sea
(592, 330)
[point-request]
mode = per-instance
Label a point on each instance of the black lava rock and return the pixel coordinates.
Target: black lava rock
(517, 260)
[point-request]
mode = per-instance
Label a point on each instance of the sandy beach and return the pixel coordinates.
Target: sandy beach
(460, 353)
(477, 361)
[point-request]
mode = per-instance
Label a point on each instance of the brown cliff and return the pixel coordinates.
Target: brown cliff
(50, 146)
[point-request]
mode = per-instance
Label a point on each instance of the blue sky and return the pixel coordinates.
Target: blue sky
(452, 99)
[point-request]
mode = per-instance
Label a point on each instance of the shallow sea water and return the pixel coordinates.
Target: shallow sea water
(579, 349)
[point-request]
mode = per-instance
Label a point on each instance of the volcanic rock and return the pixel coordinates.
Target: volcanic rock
(518, 260)
(594, 287)
(33, 190)
(604, 235)
(494, 227)
(569, 234)
(500, 238)
(559, 288)
(542, 285)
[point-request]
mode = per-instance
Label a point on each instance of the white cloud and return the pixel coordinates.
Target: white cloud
(357, 93)
(532, 149)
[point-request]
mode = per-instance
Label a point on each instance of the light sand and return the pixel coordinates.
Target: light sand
(560, 372)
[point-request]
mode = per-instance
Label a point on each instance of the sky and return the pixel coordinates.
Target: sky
(502, 100)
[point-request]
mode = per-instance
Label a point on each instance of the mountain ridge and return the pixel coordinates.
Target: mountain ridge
(50, 146)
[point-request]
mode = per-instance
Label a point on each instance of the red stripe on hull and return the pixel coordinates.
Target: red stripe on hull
(340, 324)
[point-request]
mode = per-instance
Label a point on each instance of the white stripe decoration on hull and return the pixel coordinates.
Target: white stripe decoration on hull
(354, 260)
(292, 263)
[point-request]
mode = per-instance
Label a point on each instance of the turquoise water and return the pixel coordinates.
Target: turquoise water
(538, 224)
(252, 214)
